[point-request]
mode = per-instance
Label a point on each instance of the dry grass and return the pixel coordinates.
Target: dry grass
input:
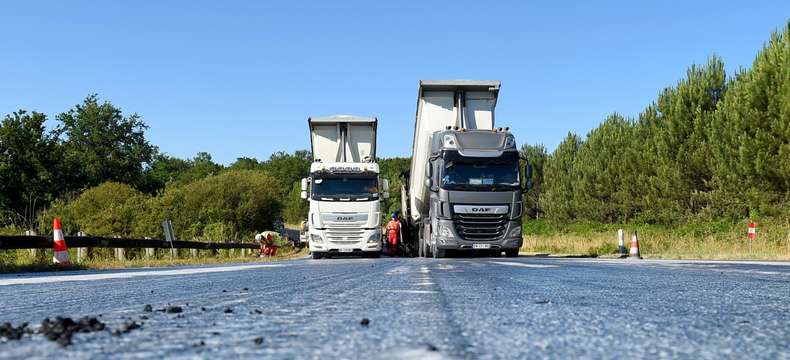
(22, 261)
(773, 243)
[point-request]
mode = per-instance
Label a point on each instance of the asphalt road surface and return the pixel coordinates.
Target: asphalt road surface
(470, 308)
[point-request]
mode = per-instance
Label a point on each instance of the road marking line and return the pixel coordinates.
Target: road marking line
(411, 291)
(534, 266)
(130, 274)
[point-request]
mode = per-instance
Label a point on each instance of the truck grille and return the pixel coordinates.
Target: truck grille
(344, 235)
(480, 227)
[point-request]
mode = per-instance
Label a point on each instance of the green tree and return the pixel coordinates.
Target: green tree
(536, 156)
(28, 166)
(101, 144)
(295, 209)
(556, 198)
(677, 147)
(246, 163)
(751, 128)
(391, 169)
(597, 174)
(164, 169)
(288, 168)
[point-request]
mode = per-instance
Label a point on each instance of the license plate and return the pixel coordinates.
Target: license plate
(481, 246)
(346, 250)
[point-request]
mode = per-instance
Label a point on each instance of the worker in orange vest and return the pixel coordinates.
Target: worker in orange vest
(393, 232)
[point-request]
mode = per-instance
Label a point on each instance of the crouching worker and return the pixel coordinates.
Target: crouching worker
(393, 233)
(271, 245)
(260, 239)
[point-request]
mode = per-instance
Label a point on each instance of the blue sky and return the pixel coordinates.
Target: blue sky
(240, 78)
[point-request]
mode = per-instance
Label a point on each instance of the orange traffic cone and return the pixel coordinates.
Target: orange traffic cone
(61, 250)
(634, 252)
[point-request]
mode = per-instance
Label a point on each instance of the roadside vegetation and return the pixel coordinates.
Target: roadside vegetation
(24, 261)
(710, 154)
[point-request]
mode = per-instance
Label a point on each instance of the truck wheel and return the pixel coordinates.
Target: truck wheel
(317, 256)
(511, 253)
(425, 233)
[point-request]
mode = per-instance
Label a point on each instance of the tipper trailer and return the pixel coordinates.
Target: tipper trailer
(464, 190)
(343, 188)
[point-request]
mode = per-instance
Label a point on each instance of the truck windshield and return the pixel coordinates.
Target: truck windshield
(480, 175)
(345, 188)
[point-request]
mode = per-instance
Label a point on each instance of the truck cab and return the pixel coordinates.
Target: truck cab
(475, 193)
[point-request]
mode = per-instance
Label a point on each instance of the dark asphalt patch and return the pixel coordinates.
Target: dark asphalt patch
(173, 309)
(61, 330)
(126, 328)
(9, 332)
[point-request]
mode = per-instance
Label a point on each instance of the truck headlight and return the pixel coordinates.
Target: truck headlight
(376, 237)
(515, 232)
(510, 142)
(445, 232)
(316, 238)
(449, 141)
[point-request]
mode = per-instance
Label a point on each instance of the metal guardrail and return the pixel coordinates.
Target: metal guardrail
(45, 242)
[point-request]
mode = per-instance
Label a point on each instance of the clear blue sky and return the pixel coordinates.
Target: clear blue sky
(240, 78)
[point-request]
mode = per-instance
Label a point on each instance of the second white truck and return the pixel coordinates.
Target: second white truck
(344, 189)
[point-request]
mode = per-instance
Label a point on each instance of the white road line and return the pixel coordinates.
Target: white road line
(410, 291)
(129, 274)
(534, 266)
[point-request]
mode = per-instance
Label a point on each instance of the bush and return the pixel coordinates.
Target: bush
(234, 204)
(109, 209)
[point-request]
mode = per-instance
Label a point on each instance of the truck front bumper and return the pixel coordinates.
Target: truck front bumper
(449, 239)
(368, 242)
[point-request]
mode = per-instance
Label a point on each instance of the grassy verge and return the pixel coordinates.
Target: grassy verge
(14, 261)
(708, 240)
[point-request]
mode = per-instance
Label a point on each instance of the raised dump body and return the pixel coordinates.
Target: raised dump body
(343, 138)
(467, 104)
(464, 189)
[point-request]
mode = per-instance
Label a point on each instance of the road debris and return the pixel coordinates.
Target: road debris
(126, 328)
(148, 308)
(61, 329)
(258, 340)
(173, 309)
(364, 322)
(9, 332)
(228, 311)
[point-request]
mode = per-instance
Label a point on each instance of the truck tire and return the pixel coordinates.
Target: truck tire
(511, 253)
(439, 253)
(425, 235)
(317, 256)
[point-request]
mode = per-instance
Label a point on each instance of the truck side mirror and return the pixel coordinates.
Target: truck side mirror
(304, 185)
(428, 170)
(385, 185)
(303, 195)
(528, 174)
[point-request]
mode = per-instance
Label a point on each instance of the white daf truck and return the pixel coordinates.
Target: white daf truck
(464, 189)
(344, 189)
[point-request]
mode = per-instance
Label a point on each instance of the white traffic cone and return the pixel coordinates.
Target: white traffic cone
(634, 253)
(61, 250)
